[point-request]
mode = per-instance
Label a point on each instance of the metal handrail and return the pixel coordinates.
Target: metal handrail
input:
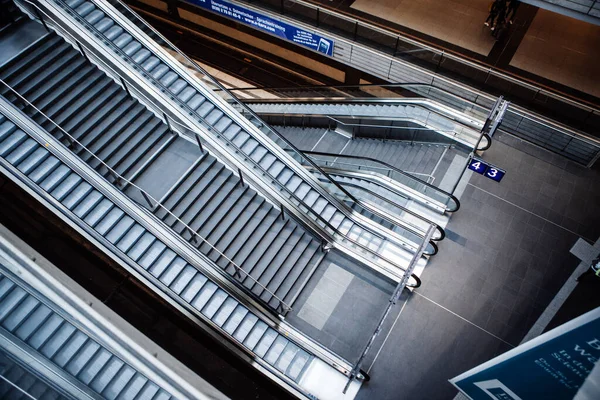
(258, 166)
(311, 346)
(340, 89)
(461, 59)
(442, 232)
(285, 308)
(198, 68)
(402, 225)
(390, 167)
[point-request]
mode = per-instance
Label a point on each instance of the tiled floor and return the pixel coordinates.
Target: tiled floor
(459, 22)
(506, 256)
(562, 49)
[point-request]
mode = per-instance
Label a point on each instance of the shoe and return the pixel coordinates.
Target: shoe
(493, 27)
(511, 22)
(486, 23)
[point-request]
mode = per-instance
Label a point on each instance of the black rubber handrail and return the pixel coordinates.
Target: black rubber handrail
(395, 169)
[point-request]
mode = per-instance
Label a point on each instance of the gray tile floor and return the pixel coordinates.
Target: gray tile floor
(350, 301)
(506, 256)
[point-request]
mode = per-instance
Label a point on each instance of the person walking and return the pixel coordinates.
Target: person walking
(494, 9)
(594, 269)
(500, 17)
(511, 10)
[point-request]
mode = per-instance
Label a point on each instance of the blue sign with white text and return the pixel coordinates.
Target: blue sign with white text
(268, 24)
(551, 366)
(489, 171)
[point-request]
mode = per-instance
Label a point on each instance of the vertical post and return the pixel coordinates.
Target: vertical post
(355, 30)
(147, 198)
(437, 67)
(282, 8)
(125, 86)
(83, 52)
(241, 177)
(199, 143)
(167, 122)
(318, 9)
(396, 46)
(395, 297)
(282, 212)
(37, 12)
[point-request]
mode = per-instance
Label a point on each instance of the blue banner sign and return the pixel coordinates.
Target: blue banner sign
(551, 366)
(488, 170)
(268, 24)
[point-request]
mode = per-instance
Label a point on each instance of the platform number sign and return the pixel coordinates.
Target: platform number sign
(489, 171)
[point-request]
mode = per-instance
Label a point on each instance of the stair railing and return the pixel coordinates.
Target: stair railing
(373, 256)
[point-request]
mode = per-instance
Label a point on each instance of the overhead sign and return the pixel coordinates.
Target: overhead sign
(551, 366)
(267, 24)
(488, 170)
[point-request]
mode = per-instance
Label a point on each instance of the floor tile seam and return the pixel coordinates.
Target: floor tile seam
(465, 319)
(531, 212)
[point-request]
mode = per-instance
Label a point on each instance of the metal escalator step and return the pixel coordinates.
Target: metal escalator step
(265, 343)
(16, 310)
(109, 221)
(69, 348)
(169, 274)
(57, 340)
(205, 108)
(6, 129)
(162, 262)
(117, 384)
(44, 169)
(33, 322)
(183, 279)
(22, 152)
(159, 71)
(287, 356)
(235, 318)
(245, 327)
(94, 16)
(113, 32)
(132, 48)
(168, 78)
(186, 94)
(141, 56)
(204, 296)
(104, 24)
(151, 63)
(214, 304)
(42, 334)
(226, 309)
(119, 229)
(141, 246)
(106, 375)
(55, 178)
(151, 254)
(297, 366)
(196, 101)
(87, 204)
(193, 287)
(94, 366)
(82, 358)
(178, 86)
(130, 238)
(134, 388)
(12, 142)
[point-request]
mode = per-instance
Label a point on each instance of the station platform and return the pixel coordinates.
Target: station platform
(550, 49)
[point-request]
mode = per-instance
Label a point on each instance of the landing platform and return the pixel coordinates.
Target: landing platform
(19, 37)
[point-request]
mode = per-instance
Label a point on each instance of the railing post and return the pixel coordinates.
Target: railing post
(83, 53)
(282, 211)
(355, 30)
(199, 143)
(37, 12)
(241, 177)
(396, 46)
(437, 67)
(147, 198)
(125, 86)
(167, 122)
(318, 9)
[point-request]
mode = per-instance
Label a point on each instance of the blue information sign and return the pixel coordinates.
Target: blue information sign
(268, 24)
(489, 171)
(478, 166)
(551, 366)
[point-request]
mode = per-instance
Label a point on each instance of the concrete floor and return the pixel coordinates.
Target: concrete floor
(562, 49)
(506, 257)
(459, 22)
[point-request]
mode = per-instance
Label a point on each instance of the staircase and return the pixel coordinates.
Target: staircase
(25, 156)
(418, 157)
(130, 139)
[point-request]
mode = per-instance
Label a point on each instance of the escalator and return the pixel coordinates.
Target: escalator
(224, 246)
(399, 119)
(25, 158)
